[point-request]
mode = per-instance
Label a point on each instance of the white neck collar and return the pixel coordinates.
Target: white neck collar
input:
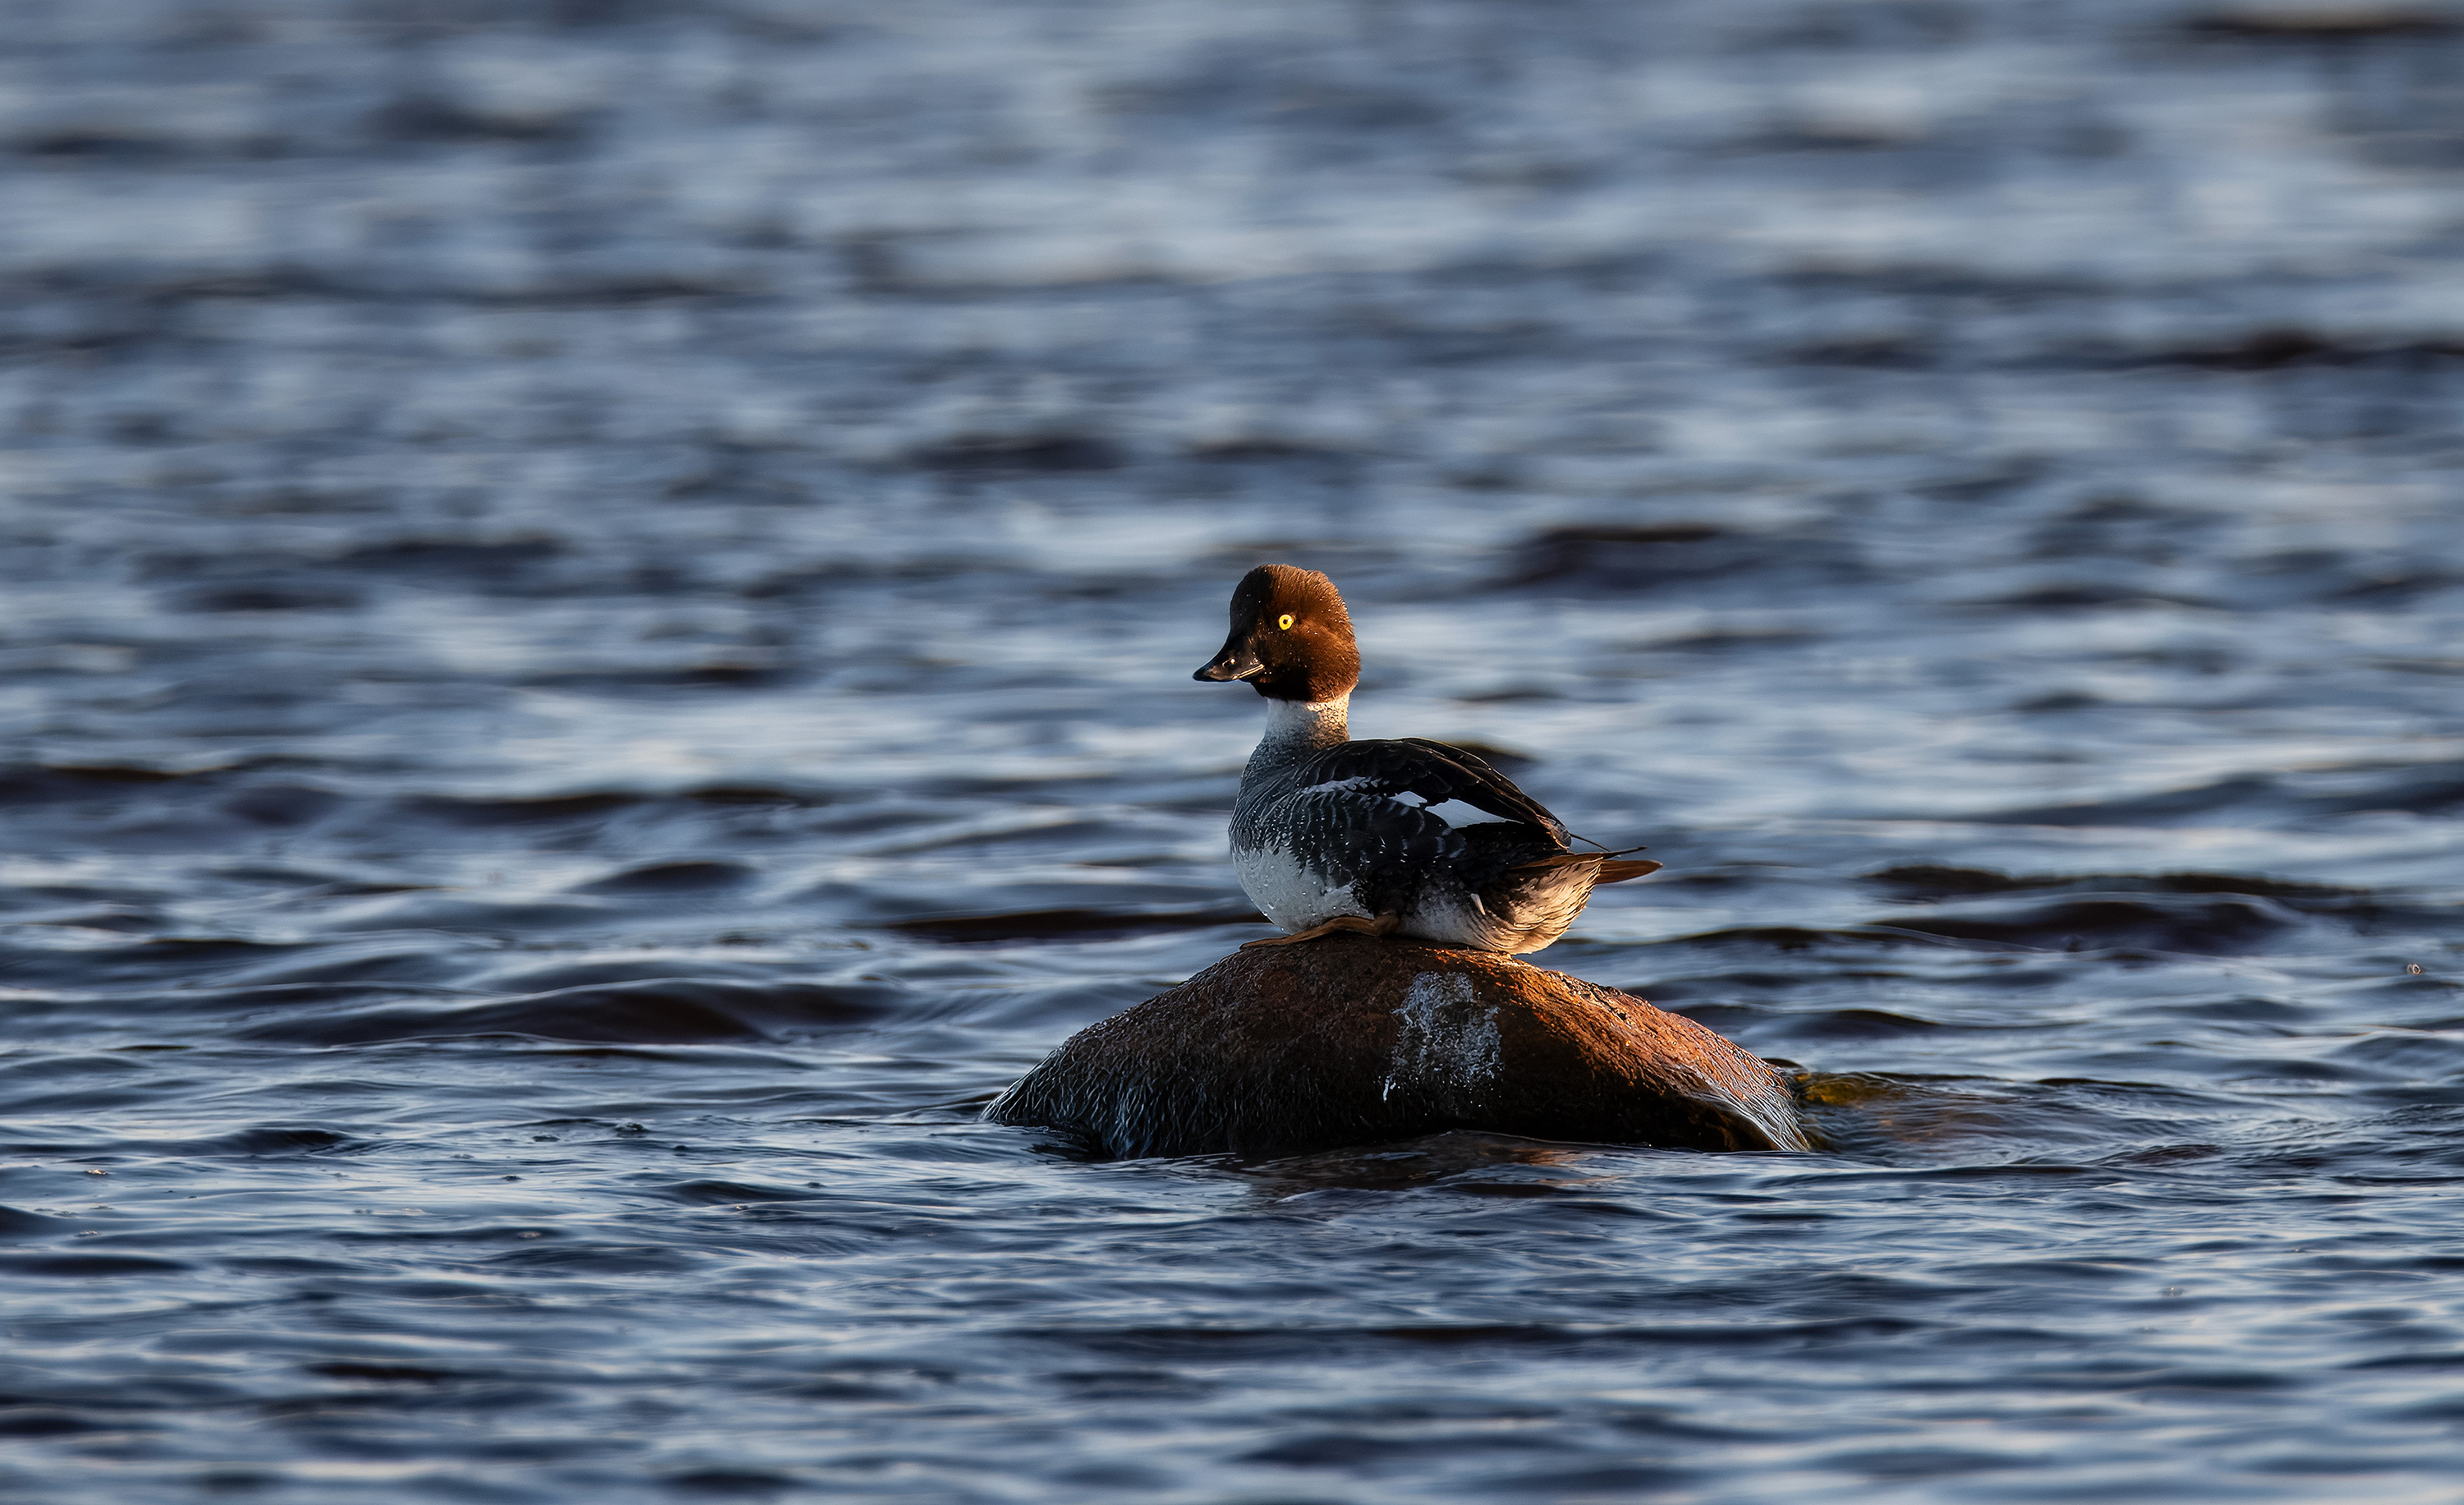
(1315, 723)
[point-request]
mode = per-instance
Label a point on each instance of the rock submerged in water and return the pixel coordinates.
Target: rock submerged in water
(1355, 1040)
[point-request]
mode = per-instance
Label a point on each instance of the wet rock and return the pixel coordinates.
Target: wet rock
(1353, 1040)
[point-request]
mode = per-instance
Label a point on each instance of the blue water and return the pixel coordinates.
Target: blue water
(547, 551)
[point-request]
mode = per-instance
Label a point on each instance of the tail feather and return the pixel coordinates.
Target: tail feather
(1530, 904)
(1609, 872)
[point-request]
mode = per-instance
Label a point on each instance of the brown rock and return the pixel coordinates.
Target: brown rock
(1355, 1040)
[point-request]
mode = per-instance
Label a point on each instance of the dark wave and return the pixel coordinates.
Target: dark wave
(2182, 912)
(485, 812)
(34, 783)
(90, 1266)
(1031, 452)
(262, 1140)
(2418, 789)
(2321, 25)
(1206, 1344)
(1933, 881)
(1071, 924)
(714, 1193)
(1858, 1023)
(672, 878)
(1612, 558)
(2220, 926)
(18, 1223)
(2192, 923)
(653, 1011)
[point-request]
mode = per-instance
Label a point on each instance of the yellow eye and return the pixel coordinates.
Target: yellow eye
(1284, 621)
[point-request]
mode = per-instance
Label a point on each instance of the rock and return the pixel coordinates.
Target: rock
(1356, 1040)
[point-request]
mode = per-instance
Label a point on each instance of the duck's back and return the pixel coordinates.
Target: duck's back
(1409, 828)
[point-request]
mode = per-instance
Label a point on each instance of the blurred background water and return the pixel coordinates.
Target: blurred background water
(597, 600)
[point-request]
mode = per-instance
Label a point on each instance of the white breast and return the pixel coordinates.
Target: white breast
(1285, 889)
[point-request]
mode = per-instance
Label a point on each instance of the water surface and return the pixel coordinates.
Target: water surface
(596, 604)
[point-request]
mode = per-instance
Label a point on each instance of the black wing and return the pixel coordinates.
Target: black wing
(1436, 774)
(1369, 814)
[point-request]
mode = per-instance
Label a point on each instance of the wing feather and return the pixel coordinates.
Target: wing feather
(1435, 773)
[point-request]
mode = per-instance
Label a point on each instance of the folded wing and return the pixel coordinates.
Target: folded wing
(1412, 805)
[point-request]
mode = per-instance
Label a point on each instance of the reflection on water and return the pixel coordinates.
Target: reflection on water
(1468, 1164)
(595, 606)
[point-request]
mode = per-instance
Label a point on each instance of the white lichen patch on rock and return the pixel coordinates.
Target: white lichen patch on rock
(1448, 1038)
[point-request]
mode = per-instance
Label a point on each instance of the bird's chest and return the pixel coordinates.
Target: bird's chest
(1292, 891)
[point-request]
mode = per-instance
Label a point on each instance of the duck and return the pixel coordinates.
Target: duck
(1406, 837)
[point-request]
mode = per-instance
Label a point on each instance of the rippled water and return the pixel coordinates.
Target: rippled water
(597, 605)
